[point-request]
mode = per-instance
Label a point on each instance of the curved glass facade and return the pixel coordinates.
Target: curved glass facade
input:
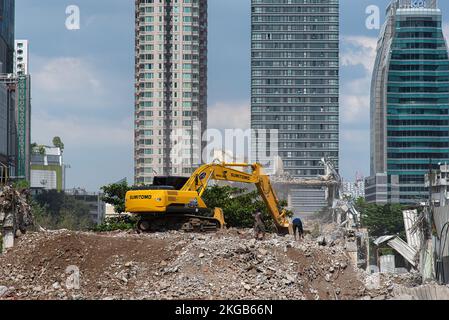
(410, 95)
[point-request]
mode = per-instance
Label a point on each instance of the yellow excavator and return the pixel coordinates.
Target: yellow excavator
(175, 203)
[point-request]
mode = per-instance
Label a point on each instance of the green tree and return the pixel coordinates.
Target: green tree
(37, 149)
(382, 220)
(57, 142)
(21, 185)
(41, 150)
(239, 205)
(114, 194)
(42, 216)
(56, 210)
(123, 222)
(52, 200)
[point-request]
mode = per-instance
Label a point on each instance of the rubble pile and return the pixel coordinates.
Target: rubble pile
(175, 265)
(239, 267)
(229, 264)
(383, 286)
(15, 211)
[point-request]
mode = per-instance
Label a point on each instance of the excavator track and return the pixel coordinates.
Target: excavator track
(177, 222)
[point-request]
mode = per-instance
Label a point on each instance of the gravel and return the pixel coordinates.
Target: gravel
(230, 264)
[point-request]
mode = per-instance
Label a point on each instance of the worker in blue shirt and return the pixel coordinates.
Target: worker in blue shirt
(297, 226)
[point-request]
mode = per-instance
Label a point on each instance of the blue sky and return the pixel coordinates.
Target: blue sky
(82, 87)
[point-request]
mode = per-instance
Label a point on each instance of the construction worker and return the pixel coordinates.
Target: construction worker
(259, 226)
(297, 226)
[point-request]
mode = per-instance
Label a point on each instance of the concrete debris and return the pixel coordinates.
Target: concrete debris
(406, 286)
(430, 292)
(321, 241)
(3, 291)
(15, 214)
(228, 265)
(403, 297)
(14, 209)
(174, 265)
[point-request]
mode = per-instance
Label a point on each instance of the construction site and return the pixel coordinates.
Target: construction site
(186, 259)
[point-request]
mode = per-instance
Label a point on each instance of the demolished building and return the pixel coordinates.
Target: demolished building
(15, 214)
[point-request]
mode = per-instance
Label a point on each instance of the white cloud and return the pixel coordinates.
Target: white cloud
(359, 86)
(355, 93)
(355, 102)
(229, 115)
(67, 82)
(355, 152)
(355, 109)
(77, 132)
(358, 50)
(355, 136)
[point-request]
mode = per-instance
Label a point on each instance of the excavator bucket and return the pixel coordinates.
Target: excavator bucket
(219, 215)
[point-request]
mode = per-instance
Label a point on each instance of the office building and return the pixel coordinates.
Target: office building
(6, 66)
(97, 208)
(47, 169)
(355, 190)
(19, 99)
(7, 27)
(171, 87)
(21, 58)
(409, 103)
(295, 84)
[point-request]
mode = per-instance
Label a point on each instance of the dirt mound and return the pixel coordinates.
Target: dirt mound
(41, 264)
(173, 265)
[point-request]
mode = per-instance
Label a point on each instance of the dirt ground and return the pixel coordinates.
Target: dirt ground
(174, 265)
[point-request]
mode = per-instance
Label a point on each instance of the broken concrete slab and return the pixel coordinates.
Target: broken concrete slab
(425, 292)
(8, 239)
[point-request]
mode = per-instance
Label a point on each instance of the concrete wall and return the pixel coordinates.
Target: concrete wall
(387, 264)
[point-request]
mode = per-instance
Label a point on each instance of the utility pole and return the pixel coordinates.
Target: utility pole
(64, 171)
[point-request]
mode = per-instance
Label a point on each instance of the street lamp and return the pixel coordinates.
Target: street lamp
(66, 166)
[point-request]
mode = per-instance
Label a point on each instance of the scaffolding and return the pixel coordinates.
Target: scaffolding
(18, 161)
(10, 81)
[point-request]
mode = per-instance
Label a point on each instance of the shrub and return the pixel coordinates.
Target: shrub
(123, 223)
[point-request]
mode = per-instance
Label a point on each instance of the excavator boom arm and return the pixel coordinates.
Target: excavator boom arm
(227, 172)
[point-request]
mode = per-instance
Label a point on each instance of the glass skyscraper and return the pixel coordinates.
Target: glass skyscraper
(295, 89)
(7, 22)
(171, 87)
(409, 102)
(7, 112)
(294, 75)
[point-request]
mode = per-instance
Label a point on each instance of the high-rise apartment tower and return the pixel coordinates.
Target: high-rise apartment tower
(295, 85)
(171, 87)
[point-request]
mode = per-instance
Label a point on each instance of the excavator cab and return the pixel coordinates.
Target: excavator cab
(175, 182)
(164, 183)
